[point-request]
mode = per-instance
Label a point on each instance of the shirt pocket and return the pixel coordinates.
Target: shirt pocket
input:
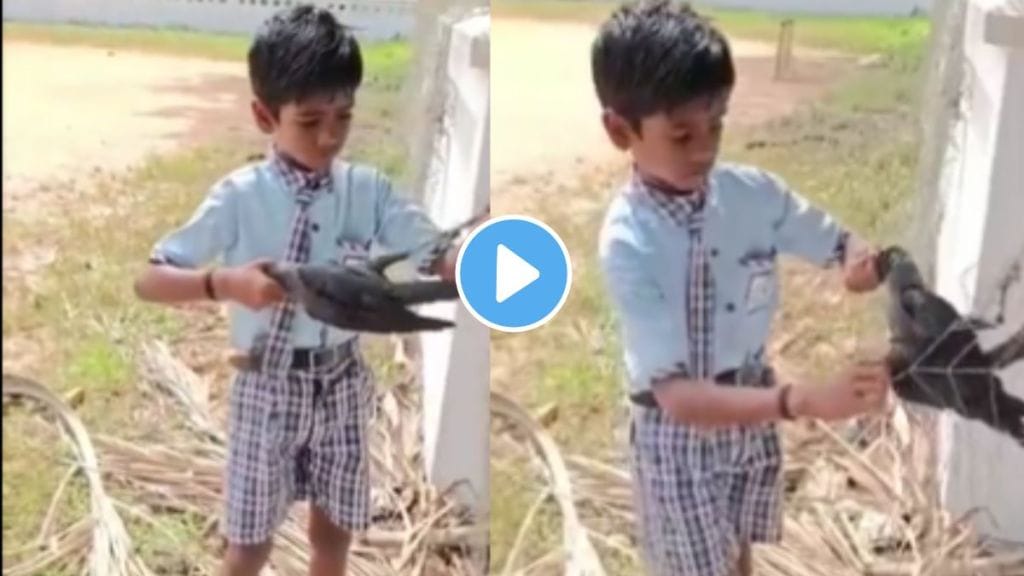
(351, 251)
(760, 281)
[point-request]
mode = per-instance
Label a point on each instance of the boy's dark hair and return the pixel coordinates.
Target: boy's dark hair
(654, 55)
(302, 51)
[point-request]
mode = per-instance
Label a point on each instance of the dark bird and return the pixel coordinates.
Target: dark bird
(360, 297)
(935, 358)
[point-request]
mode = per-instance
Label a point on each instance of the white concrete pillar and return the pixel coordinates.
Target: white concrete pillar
(982, 234)
(456, 363)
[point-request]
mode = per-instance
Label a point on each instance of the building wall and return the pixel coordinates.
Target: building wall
(373, 19)
(859, 7)
(456, 363)
(980, 238)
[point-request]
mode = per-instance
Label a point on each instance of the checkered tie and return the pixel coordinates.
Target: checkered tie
(279, 343)
(701, 298)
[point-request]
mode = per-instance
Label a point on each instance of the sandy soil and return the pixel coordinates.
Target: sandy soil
(72, 111)
(546, 117)
(76, 115)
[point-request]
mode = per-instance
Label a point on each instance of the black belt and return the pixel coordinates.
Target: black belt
(763, 378)
(311, 358)
(308, 359)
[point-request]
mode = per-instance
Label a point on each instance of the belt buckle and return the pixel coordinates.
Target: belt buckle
(321, 357)
(328, 356)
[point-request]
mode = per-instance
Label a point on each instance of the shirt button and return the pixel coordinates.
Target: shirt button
(316, 227)
(714, 252)
(730, 307)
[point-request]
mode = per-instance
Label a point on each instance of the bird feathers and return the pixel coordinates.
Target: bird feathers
(935, 358)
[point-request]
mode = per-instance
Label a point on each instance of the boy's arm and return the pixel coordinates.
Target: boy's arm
(405, 225)
(656, 358)
(177, 272)
(248, 285)
(813, 235)
(861, 389)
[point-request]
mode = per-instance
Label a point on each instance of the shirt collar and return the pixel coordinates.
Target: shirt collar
(678, 206)
(298, 177)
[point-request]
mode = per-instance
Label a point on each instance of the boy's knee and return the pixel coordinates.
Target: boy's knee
(325, 537)
(246, 560)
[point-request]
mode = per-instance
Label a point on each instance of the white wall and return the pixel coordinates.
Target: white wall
(373, 19)
(981, 235)
(456, 363)
(859, 7)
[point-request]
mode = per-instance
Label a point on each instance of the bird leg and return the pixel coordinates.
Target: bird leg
(1009, 351)
(978, 323)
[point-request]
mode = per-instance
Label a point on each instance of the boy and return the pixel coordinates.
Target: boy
(688, 251)
(298, 421)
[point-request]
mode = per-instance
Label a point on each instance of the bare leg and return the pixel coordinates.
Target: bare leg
(245, 560)
(745, 566)
(330, 545)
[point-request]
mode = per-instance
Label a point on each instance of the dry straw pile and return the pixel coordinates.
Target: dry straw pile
(856, 506)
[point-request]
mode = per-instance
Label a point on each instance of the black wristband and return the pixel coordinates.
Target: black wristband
(208, 285)
(784, 409)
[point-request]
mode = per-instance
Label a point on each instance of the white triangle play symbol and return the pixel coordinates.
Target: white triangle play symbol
(513, 274)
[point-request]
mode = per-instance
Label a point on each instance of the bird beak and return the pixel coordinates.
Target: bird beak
(883, 263)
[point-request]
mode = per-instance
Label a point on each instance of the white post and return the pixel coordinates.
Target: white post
(980, 238)
(456, 363)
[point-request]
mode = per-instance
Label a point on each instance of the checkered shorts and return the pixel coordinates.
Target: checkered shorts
(300, 439)
(702, 493)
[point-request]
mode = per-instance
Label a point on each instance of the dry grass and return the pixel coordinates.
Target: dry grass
(856, 506)
(417, 529)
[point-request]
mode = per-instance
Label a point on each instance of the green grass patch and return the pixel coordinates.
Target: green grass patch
(158, 40)
(100, 364)
(381, 59)
(511, 501)
(35, 462)
(856, 35)
(171, 543)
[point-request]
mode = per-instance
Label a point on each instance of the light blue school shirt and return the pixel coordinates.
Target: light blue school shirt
(751, 216)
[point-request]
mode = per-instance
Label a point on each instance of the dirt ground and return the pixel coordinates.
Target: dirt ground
(77, 116)
(71, 112)
(546, 116)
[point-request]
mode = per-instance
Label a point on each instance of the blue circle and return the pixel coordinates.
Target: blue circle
(534, 243)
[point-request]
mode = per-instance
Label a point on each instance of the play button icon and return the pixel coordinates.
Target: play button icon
(513, 273)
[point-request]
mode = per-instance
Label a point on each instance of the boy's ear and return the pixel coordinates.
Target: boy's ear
(618, 129)
(263, 117)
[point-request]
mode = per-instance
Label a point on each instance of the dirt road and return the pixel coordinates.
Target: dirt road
(546, 117)
(70, 111)
(74, 116)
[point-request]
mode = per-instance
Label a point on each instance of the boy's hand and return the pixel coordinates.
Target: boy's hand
(860, 274)
(446, 266)
(862, 388)
(249, 285)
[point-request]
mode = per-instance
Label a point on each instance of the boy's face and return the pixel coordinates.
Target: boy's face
(311, 131)
(677, 147)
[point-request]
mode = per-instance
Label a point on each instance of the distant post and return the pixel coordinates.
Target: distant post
(784, 49)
